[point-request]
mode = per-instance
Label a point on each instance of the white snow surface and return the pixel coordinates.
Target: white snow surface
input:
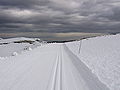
(9, 40)
(94, 66)
(102, 56)
(8, 49)
(49, 67)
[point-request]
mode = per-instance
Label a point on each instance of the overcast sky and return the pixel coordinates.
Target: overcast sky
(59, 16)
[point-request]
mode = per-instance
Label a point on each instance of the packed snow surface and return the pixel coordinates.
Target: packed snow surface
(91, 64)
(49, 67)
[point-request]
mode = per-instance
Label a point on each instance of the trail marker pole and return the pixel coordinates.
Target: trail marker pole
(80, 45)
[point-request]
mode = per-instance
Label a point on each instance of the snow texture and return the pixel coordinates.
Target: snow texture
(102, 56)
(49, 67)
(90, 64)
(8, 49)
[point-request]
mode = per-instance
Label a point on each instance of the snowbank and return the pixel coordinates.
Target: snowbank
(102, 56)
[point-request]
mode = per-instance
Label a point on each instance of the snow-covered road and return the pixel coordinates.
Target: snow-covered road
(50, 67)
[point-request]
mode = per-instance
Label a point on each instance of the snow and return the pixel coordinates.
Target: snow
(90, 64)
(14, 54)
(48, 67)
(8, 49)
(102, 56)
(30, 49)
(16, 39)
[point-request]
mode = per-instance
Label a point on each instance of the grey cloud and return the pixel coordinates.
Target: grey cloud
(60, 16)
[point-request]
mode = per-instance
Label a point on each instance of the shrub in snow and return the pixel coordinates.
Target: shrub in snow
(14, 54)
(28, 48)
(25, 48)
(37, 39)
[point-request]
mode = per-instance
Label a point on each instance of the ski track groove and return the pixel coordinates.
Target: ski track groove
(55, 73)
(57, 76)
(64, 63)
(61, 68)
(84, 71)
(70, 71)
(47, 88)
(63, 74)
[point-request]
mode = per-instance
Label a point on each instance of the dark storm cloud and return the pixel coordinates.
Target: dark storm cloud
(60, 16)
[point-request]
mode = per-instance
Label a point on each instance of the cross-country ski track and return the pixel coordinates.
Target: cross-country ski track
(49, 67)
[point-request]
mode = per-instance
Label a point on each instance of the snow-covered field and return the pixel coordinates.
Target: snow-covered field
(90, 64)
(8, 47)
(102, 56)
